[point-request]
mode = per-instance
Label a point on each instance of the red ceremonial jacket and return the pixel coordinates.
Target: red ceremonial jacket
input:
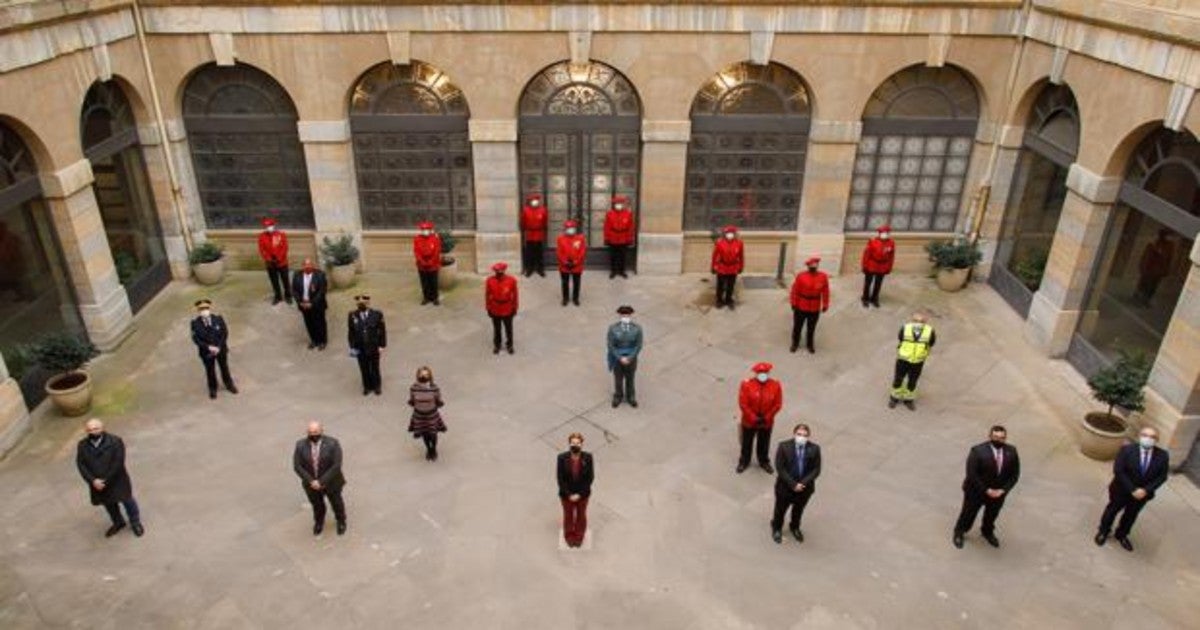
(810, 291)
(728, 257)
(760, 399)
(618, 227)
(534, 222)
(501, 295)
(273, 248)
(878, 256)
(571, 251)
(428, 252)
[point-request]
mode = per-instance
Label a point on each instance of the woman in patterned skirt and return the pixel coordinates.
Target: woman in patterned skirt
(425, 398)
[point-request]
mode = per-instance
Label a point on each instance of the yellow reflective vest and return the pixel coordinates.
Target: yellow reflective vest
(914, 347)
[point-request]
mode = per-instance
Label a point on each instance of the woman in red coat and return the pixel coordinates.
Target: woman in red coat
(571, 248)
(427, 250)
(273, 249)
(534, 222)
(810, 298)
(500, 298)
(759, 398)
(728, 259)
(618, 235)
(877, 261)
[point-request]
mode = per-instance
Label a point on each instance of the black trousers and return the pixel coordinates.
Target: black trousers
(279, 277)
(315, 324)
(430, 440)
(725, 288)
(872, 282)
(131, 509)
(570, 281)
(429, 285)
(970, 508)
(1121, 502)
(911, 371)
(807, 320)
(616, 260)
(789, 498)
(211, 364)
(764, 444)
(507, 323)
(623, 387)
(533, 258)
(317, 499)
(368, 366)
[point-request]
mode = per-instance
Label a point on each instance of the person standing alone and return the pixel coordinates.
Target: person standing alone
(367, 337)
(426, 400)
(760, 399)
(317, 460)
(1138, 471)
(273, 249)
(535, 221)
(993, 468)
(575, 471)
(916, 339)
(728, 260)
(877, 260)
(501, 301)
(427, 250)
(100, 458)
(571, 249)
(624, 345)
(810, 298)
(309, 287)
(798, 464)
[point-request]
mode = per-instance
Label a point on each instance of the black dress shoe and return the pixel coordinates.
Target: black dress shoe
(912, 406)
(510, 349)
(1100, 539)
(318, 528)
(777, 536)
(741, 468)
(232, 388)
(366, 391)
(992, 540)
(793, 348)
(311, 345)
(575, 302)
(428, 456)
(958, 540)
(212, 393)
(341, 528)
(616, 401)
(434, 456)
(320, 346)
(811, 350)
(496, 350)
(731, 305)
(1125, 544)
(424, 302)
(542, 273)
(767, 467)
(112, 531)
(378, 391)
(437, 302)
(288, 299)
(275, 301)
(797, 534)
(624, 275)
(866, 303)
(564, 302)
(633, 403)
(138, 530)
(875, 303)
(892, 402)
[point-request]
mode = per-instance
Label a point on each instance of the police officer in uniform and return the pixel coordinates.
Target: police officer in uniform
(367, 337)
(624, 346)
(916, 338)
(211, 336)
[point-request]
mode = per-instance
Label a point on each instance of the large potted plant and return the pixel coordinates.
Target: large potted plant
(340, 256)
(448, 274)
(208, 262)
(1119, 385)
(952, 261)
(64, 355)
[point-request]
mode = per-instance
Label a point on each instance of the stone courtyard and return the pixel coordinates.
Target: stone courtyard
(676, 538)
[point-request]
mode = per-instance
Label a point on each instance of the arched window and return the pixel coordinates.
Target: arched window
(123, 194)
(911, 167)
(246, 150)
(411, 150)
(745, 163)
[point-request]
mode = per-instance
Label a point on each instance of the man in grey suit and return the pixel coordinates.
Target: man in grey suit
(624, 345)
(317, 460)
(797, 465)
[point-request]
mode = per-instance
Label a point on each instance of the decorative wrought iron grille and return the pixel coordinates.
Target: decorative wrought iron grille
(18, 173)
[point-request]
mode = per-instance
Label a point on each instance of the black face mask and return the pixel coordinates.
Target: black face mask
(314, 438)
(575, 448)
(812, 269)
(998, 443)
(424, 378)
(362, 306)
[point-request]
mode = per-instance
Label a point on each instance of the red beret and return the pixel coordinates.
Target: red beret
(268, 222)
(425, 225)
(500, 266)
(762, 367)
(884, 228)
(620, 199)
(812, 260)
(570, 223)
(729, 228)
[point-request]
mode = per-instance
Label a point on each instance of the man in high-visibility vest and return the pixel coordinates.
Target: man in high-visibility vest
(916, 338)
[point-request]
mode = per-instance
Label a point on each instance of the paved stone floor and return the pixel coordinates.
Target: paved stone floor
(679, 540)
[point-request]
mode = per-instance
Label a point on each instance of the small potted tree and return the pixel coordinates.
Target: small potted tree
(952, 261)
(208, 262)
(64, 355)
(448, 274)
(1119, 385)
(340, 256)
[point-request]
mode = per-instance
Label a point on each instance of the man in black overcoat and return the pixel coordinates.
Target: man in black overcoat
(100, 458)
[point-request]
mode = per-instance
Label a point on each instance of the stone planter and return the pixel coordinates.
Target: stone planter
(71, 392)
(342, 276)
(209, 273)
(448, 274)
(952, 279)
(1103, 435)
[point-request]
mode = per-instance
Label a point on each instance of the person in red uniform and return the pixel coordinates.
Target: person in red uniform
(877, 261)
(427, 249)
(273, 248)
(728, 259)
(618, 235)
(534, 223)
(810, 298)
(500, 296)
(570, 249)
(759, 398)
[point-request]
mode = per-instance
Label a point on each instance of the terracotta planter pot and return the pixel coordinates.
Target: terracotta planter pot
(71, 392)
(448, 275)
(952, 279)
(1103, 436)
(342, 276)
(209, 273)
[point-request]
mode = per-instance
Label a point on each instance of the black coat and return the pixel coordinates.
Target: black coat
(105, 462)
(215, 334)
(568, 485)
(366, 336)
(329, 463)
(785, 467)
(982, 474)
(317, 287)
(1127, 471)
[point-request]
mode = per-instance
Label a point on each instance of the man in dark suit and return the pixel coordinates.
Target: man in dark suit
(1137, 472)
(100, 458)
(211, 336)
(367, 337)
(309, 286)
(993, 468)
(797, 466)
(317, 460)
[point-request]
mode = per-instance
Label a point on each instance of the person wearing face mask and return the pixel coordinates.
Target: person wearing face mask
(618, 235)
(317, 461)
(575, 471)
(501, 300)
(100, 458)
(798, 464)
(309, 287)
(810, 298)
(367, 337)
(211, 336)
(1138, 471)
(877, 260)
(426, 399)
(571, 249)
(624, 346)
(535, 221)
(759, 399)
(427, 250)
(993, 468)
(273, 249)
(728, 259)
(916, 339)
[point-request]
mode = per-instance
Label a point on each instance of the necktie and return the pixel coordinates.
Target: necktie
(316, 453)
(998, 455)
(207, 322)
(799, 462)
(1145, 460)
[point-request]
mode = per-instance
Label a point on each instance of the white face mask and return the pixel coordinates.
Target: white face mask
(883, 236)
(620, 206)
(270, 228)
(570, 231)
(534, 203)
(626, 320)
(1147, 442)
(730, 236)
(762, 377)
(425, 232)
(205, 312)
(801, 440)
